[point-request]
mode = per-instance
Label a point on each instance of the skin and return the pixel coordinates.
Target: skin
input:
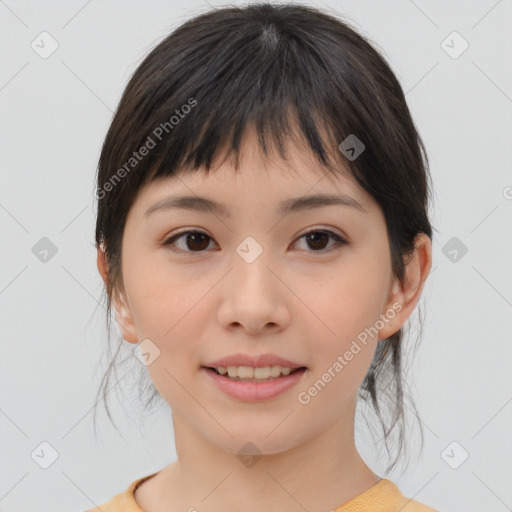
(301, 301)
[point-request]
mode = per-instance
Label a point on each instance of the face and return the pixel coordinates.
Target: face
(311, 285)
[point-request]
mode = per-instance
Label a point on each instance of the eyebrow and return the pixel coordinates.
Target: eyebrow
(203, 204)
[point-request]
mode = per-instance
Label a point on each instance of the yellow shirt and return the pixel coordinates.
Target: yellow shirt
(384, 496)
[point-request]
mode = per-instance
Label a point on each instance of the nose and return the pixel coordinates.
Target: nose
(254, 298)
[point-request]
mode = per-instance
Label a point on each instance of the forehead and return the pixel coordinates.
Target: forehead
(260, 176)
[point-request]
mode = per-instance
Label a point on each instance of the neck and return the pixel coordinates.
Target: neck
(320, 474)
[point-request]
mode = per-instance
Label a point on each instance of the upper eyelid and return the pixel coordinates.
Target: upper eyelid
(171, 239)
(201, 230)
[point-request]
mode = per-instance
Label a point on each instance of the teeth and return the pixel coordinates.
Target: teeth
(248, 372)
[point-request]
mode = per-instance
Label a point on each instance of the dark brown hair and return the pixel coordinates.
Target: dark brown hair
(286, 70)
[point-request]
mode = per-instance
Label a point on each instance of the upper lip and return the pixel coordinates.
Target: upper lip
(258, 361)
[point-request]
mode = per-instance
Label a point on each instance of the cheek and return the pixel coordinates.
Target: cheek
(348, 302)
(346, 307)
(161, 297)
(165, 309)
(341, 345)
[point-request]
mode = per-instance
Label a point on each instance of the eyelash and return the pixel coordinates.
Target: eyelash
(337, 238)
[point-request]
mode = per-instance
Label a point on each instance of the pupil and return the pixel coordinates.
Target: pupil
(195, 237)
(315, 235)
(316, 238)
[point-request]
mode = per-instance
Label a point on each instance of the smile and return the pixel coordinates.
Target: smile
(254, 384)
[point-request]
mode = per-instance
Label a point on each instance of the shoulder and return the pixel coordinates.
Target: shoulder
(115, 504)
(416, 506)
(123, 501)
(384, 496)
(410, 505)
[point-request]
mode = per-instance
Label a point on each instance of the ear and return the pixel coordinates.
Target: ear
(124, 317)
(402, 298)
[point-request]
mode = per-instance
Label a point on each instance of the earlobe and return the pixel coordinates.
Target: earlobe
(124, 319)
(102, 265)
(123, 315)
(405, 295)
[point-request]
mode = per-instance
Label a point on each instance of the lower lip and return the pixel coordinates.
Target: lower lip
(254, 391)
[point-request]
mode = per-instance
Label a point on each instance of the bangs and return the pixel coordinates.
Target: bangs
(286, 73)
(197, 107)
(210, 142)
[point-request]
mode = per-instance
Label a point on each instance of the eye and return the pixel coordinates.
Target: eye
(198, 241)
(318, 237)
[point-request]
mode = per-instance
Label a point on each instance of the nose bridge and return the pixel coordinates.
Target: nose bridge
(252, 296)
(251, 261)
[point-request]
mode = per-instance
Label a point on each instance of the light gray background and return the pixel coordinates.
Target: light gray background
(54, 116)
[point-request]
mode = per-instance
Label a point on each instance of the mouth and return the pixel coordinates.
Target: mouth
(250, 374)
(248, 384)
